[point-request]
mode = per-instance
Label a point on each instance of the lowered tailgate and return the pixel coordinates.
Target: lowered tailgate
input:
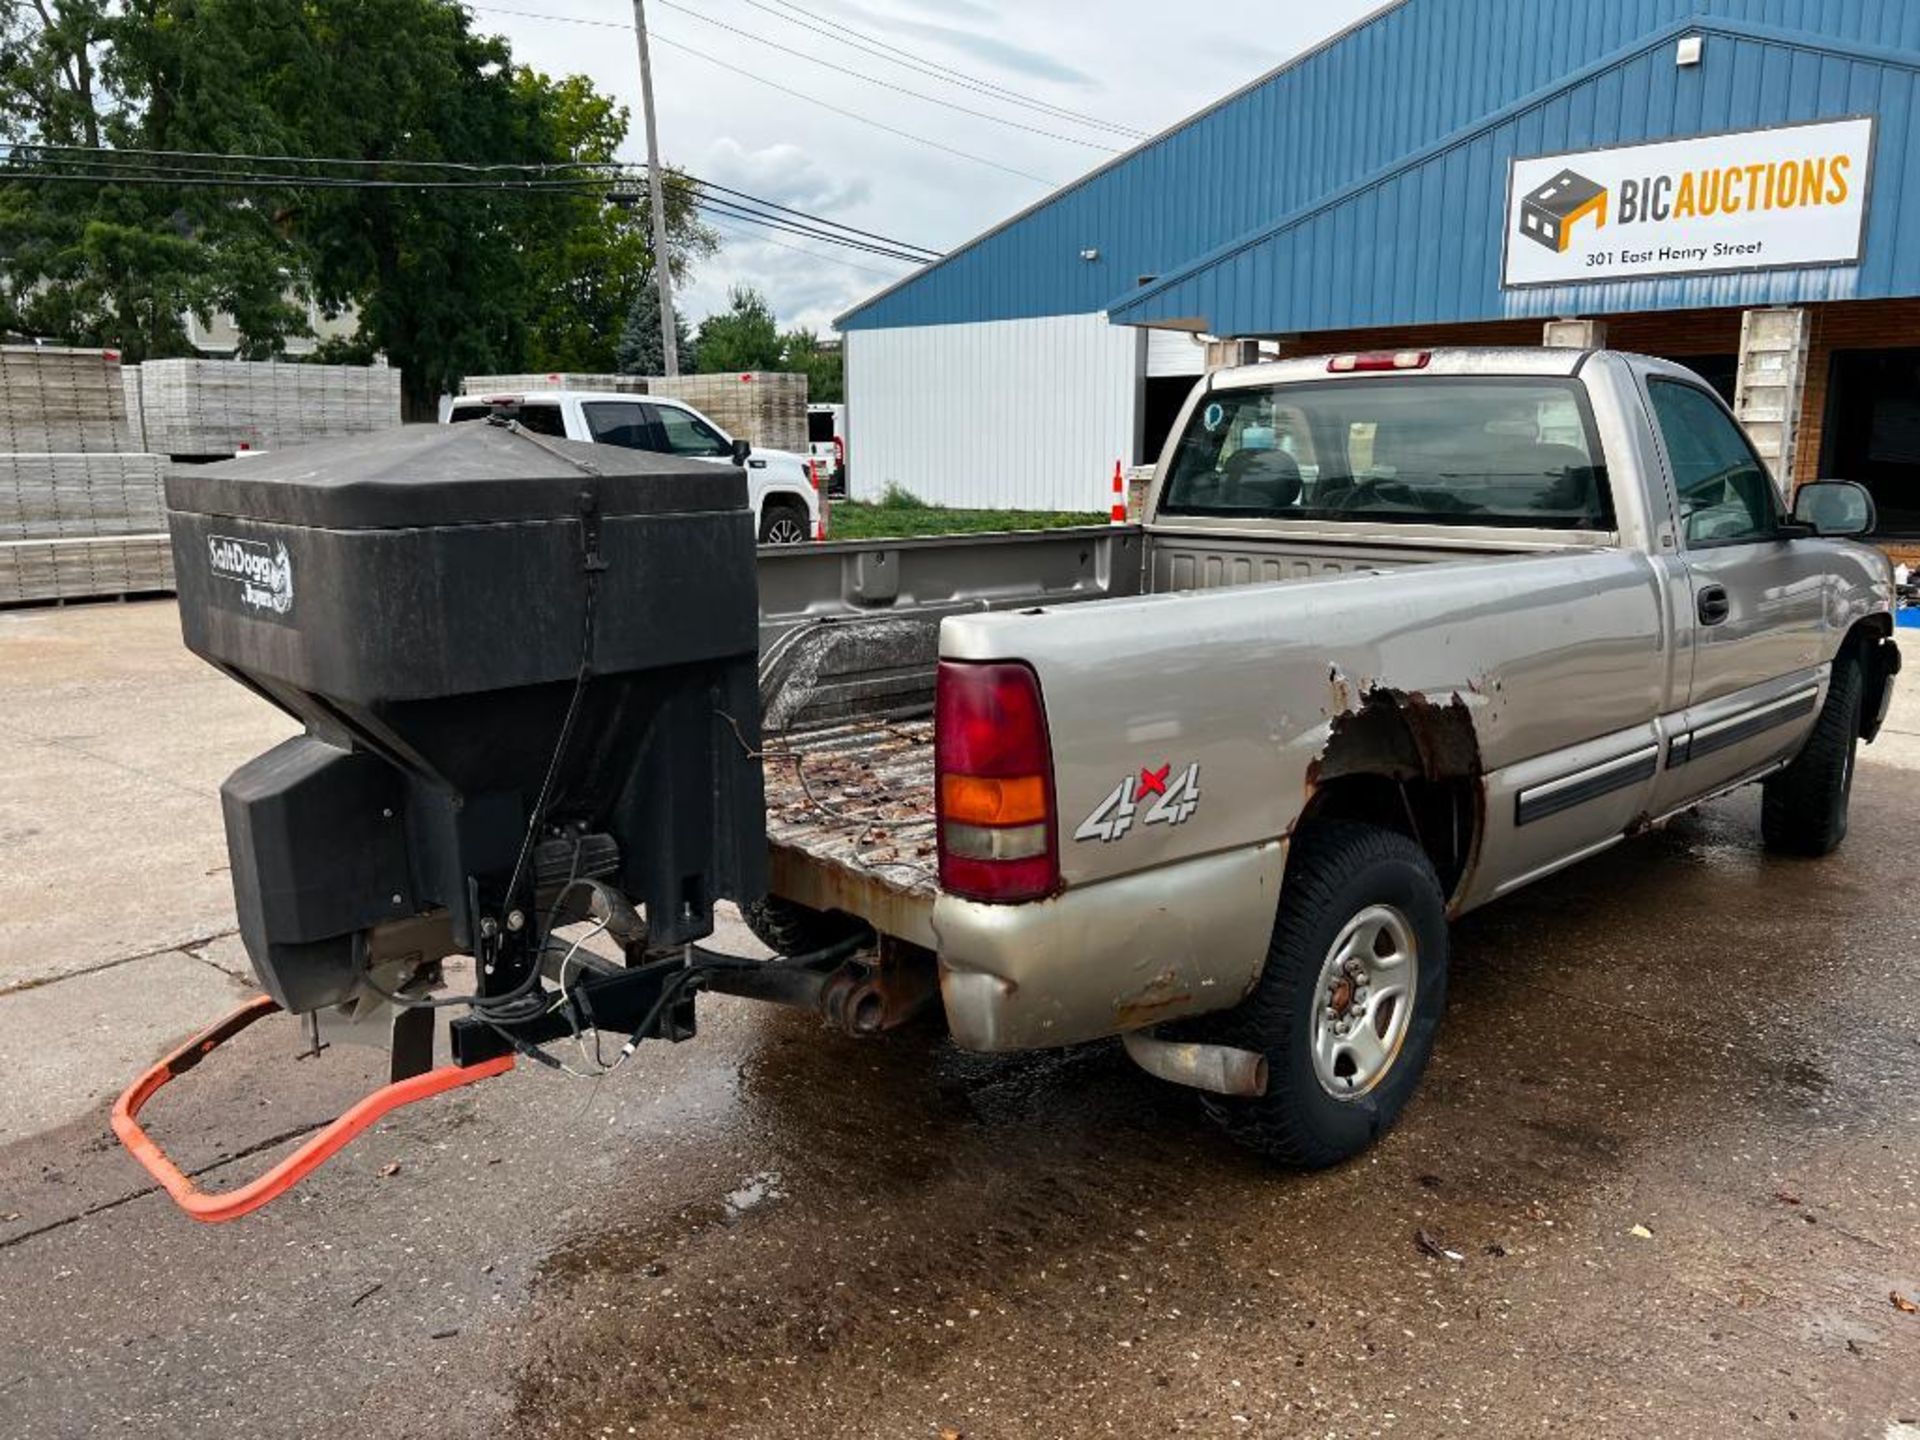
(849, 643)
(850, 822)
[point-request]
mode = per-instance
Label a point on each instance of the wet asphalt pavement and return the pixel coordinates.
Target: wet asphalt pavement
(774, 1231)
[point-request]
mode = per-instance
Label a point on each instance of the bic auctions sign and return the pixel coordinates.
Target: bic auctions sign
(1754, 200)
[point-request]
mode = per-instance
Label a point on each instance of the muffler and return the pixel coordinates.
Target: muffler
(1223, 1069)
(861, 987)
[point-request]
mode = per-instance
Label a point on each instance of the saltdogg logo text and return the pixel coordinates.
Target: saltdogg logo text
(265, 576)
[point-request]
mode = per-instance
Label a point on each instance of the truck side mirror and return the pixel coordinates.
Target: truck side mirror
(1835, 507)
(741, 450)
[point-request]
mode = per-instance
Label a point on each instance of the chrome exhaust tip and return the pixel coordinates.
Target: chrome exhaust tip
(1222, 1069)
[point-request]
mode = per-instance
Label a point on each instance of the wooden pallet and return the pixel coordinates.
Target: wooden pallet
(553, 380)
(74, 496)
(222, 407)
(54, 399)
(38, 571)
(762, 407)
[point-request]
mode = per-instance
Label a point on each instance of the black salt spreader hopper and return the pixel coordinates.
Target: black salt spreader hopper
(526, 671)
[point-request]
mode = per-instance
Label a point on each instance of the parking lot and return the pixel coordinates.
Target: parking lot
(1663, 1177)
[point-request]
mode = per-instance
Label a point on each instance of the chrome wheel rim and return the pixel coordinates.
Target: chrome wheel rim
(785, 531)
(1363, 1002)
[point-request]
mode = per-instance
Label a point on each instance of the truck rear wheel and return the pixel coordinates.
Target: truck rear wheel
(1346, 1008)
(789, 929)
(1803, 808)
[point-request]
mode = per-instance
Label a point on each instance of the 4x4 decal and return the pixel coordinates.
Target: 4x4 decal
(1175, 798)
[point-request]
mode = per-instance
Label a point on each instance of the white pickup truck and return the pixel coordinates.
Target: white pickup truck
(780, 485)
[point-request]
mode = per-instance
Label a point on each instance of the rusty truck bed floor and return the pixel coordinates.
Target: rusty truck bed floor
(850, 815)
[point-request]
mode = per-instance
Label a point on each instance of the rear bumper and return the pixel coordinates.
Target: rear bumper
(1100, 959)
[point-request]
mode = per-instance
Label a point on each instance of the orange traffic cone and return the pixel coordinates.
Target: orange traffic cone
(1118, 515)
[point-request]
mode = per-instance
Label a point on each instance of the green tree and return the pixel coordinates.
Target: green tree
(441, 278)
(585, 280)
(639, 351)
(803, 353)
(744, 336)
(116, 264)
(446, 282)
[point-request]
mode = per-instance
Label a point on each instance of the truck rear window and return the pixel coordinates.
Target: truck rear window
(1401, 450)
(542, 419)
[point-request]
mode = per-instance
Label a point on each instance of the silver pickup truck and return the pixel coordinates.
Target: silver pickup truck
(1401, 633)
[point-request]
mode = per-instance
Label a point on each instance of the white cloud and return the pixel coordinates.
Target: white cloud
(784, 174)
(1130, 61)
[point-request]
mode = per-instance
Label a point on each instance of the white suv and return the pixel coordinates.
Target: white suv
(786, 507)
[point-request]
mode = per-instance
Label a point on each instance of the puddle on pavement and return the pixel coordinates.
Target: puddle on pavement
(849, 1221)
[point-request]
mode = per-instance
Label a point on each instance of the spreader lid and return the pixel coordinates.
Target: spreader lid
(426, 475)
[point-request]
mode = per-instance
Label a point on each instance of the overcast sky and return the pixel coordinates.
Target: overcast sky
(1142, 64)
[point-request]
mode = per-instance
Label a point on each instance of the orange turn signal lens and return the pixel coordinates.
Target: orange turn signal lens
(984, 800)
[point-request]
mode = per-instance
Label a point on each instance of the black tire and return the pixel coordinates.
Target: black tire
(1803, 809)
(782, 522)
(789, 929)
(1337, 872)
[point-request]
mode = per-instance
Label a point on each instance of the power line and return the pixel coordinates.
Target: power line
(586, 188)
(341, 160)
(884, 84)
(931, 253)
(852, 115)
(773, 85)
(907, 59)
(725, 208)
(725, 228)
(595, 173)
(195, 179)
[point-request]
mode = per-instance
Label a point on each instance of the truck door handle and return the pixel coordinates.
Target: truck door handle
(1712, 605)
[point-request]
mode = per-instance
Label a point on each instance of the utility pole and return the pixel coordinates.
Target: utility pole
(657, 198)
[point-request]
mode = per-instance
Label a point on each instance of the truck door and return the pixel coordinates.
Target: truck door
(1758, 603)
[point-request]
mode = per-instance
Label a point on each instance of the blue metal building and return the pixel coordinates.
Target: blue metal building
(1364, 193)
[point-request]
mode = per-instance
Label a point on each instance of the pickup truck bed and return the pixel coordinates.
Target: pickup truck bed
(849, 641)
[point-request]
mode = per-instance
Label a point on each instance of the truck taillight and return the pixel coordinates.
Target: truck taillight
(1380, 360)
(993, 771)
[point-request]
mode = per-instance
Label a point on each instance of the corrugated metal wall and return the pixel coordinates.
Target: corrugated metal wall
(1008, 414)
(1413, 74)
(1423, 243)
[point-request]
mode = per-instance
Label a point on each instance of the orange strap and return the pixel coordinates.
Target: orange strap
(314, 1152)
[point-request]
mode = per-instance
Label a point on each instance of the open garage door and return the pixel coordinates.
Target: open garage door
(1873, 432)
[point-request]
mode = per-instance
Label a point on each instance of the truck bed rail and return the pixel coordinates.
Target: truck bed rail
(852, 628)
